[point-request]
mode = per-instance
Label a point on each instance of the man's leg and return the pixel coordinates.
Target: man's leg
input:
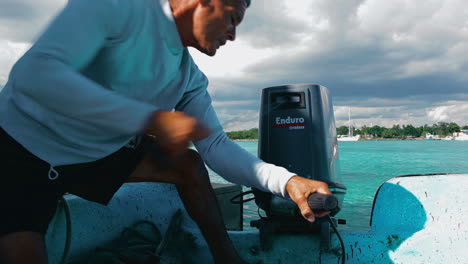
(27, 203)
(194, 187)
(23, 248)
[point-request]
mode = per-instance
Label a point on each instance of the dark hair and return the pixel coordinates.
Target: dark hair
(247, 2)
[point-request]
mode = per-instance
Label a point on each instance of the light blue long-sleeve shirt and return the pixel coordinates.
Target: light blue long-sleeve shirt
(89, 83)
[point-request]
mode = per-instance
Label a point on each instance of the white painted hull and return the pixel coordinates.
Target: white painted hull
(348, 138)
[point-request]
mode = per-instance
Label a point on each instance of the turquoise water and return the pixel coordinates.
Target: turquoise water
(365, 165)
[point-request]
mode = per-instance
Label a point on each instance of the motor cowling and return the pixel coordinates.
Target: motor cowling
(297, 131)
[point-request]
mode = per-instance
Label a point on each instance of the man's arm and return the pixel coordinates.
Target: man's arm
(221, 154)
(49, 73)
(237, 165)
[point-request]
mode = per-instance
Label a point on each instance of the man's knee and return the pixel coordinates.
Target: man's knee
(193, 157)
(194, 163)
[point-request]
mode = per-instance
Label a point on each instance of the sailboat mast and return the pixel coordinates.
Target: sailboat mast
(349, 124)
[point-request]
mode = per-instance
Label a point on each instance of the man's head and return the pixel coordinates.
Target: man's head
(208, 24)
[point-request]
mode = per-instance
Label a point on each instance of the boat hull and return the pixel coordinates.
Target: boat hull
(415, 219)
(349, 138)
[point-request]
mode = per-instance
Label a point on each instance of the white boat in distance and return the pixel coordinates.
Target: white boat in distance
(429, 136)
(350, 136)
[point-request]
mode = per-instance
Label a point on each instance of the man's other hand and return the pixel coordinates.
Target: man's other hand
(173, 130)
(300, 188)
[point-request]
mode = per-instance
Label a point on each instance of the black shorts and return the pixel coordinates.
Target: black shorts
(28, 198)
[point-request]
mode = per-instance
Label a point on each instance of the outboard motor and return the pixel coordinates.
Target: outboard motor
(297, 131)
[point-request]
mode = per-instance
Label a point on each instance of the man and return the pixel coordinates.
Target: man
(98, 87)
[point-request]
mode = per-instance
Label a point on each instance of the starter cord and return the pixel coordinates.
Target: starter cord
(241, 201)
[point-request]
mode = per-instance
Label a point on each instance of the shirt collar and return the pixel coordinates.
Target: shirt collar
(171, 35)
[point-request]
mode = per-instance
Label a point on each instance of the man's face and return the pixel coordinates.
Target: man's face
(215, 23)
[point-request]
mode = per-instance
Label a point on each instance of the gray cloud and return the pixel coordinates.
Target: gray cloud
(267, 24)
(390, 61)
(22, 20)
(17, 10)
(367, 49)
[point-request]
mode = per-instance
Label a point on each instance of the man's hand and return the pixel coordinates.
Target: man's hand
(300, 188)
(173, 131)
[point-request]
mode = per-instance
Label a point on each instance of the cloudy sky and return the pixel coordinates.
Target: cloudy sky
(392, 62)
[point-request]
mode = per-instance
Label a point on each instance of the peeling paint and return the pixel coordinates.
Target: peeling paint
(393, 241)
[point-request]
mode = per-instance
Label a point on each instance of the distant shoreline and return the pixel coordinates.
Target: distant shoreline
(418, 138)
(405, 132)
(362, 139)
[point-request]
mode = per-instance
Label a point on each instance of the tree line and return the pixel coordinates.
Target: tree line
(396, 131)
(250, 134)
(441, 128)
